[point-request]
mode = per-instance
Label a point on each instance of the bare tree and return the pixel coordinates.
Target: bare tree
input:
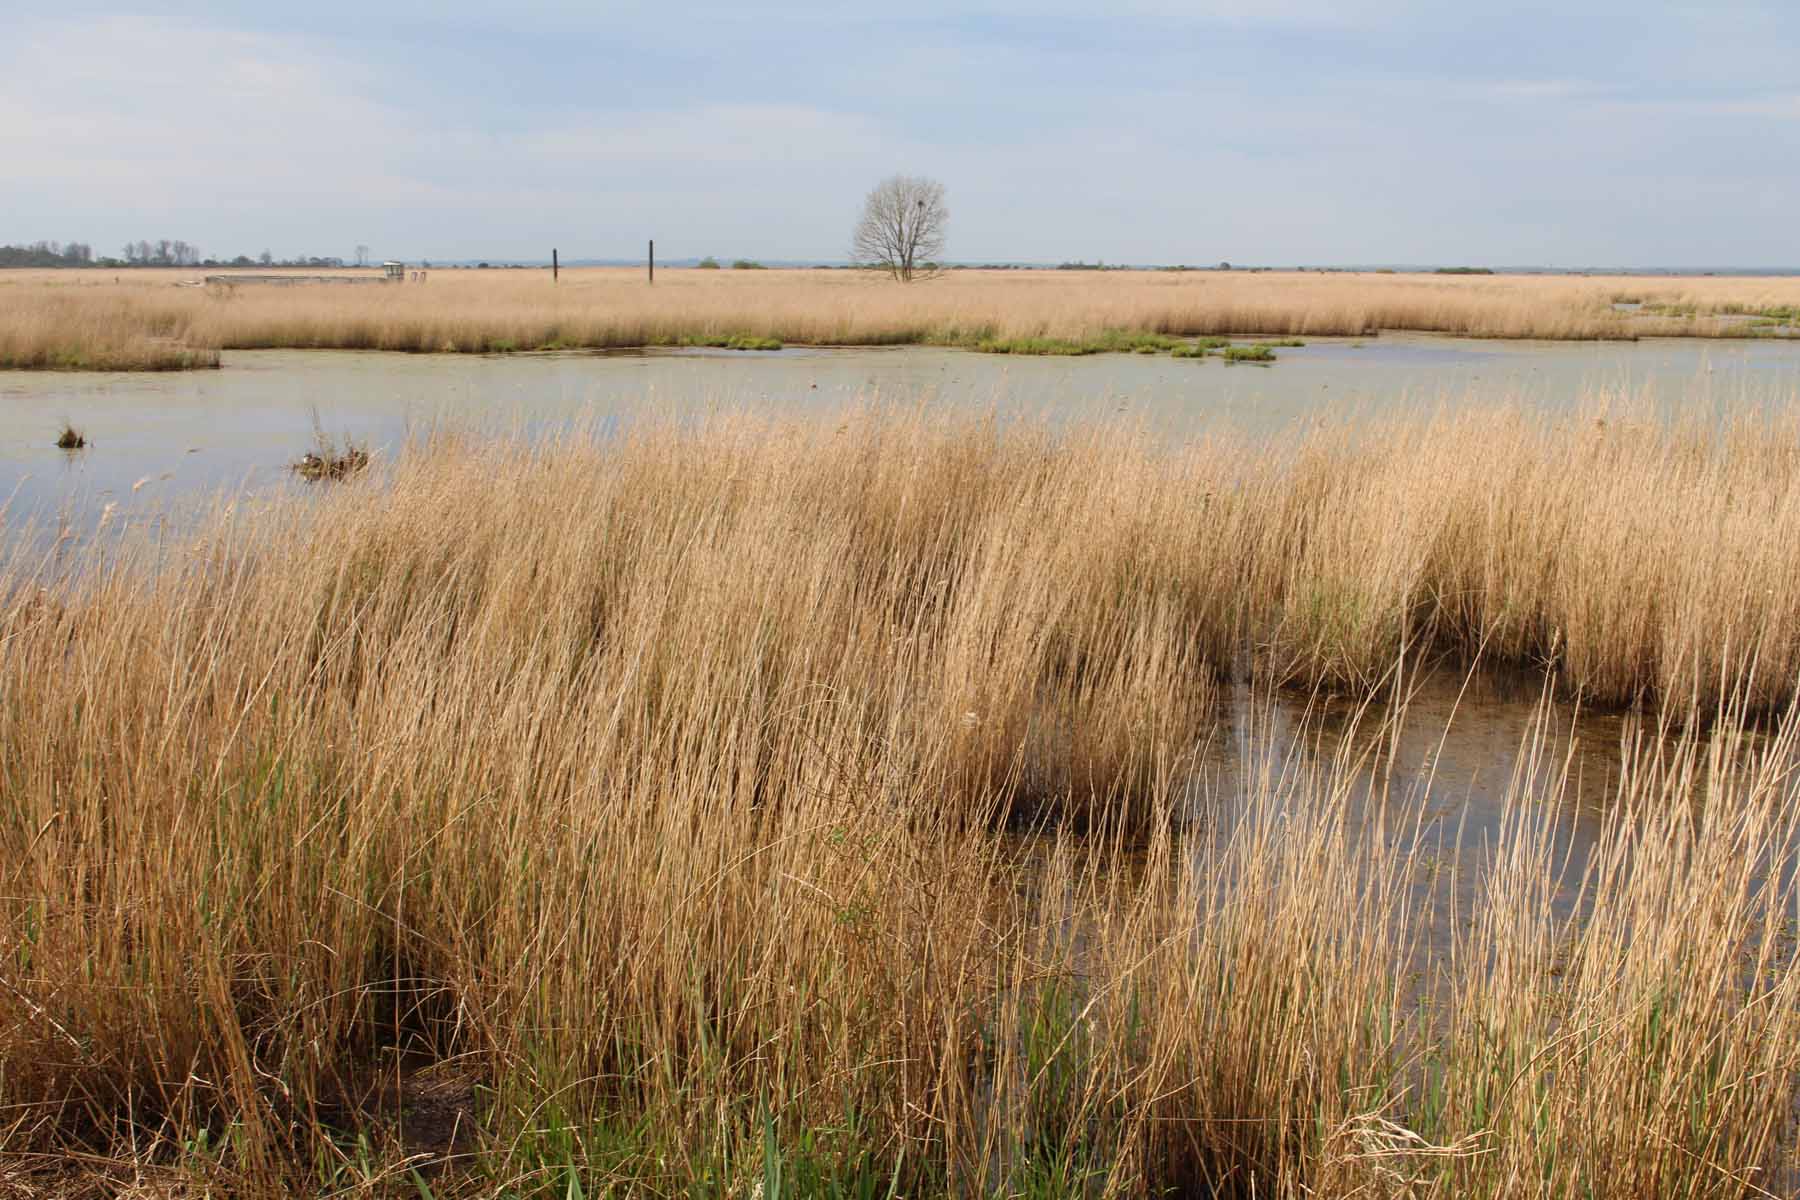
(902, 227)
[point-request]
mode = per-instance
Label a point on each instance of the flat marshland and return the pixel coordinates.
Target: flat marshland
(137, 320)
(810, 808)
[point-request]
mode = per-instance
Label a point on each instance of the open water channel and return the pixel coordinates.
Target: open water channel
(154, 438)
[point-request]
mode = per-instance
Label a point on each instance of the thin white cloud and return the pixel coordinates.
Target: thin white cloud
(1359, 144)
(1290, 14)
(1780, 108)
(237, 139)
(1542, 89)
(131, 100)
(1708, 107)
(733, 134)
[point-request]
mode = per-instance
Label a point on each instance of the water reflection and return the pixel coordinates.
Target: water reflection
(153, 437)
(1454, 771)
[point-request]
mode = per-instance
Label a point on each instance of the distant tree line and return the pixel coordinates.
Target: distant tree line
(47, 254)
(165, 252)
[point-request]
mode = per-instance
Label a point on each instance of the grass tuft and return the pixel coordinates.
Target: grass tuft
(726, 341)
(327, 460)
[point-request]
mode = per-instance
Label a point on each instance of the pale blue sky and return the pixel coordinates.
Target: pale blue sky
(1289, 131)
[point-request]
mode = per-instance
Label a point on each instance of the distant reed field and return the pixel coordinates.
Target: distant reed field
(773, 808)
(141, 320)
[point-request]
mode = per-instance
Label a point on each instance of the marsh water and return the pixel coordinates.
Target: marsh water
(154, 438)
(159, 443)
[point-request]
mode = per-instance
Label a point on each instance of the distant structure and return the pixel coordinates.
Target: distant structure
(391, 272)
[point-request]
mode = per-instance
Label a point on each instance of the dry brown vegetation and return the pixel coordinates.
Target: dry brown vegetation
(138, 319)
(643, 818)
(47, 326)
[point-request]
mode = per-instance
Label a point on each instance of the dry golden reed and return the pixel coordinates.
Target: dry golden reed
(659, 800)
(80, 330)
(94, 318)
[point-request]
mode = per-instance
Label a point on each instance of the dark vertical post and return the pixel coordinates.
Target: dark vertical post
(553, 265)
(652, 260)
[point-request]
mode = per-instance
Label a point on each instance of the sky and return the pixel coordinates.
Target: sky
(1281, 132)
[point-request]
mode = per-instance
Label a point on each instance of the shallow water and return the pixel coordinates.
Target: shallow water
(154, 438)
(159, 443)
(1454, 770)
(1452, 774)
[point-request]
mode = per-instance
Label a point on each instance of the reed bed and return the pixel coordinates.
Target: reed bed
(810, 809)
(86, 318)
(56, 329)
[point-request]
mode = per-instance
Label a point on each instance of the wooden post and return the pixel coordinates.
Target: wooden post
(652, 260)
(553, 265)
